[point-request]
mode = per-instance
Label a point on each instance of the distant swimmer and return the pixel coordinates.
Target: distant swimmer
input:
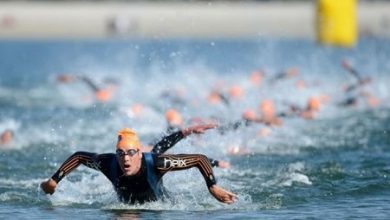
(355, 91)
(236, 92)
(354, 100)
(312, 107)
(309, 112)
(267, 114)
(217, 97)
(267, 117)
(101, 94)
(6, 136)
(136, 176)
(289, 73)
(248, 117)
(174, 119)
(256, 77)
(360, 80)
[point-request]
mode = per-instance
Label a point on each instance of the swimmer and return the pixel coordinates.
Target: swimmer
(136, 176)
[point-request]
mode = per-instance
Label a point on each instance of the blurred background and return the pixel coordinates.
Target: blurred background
(180, 19)
(299, 89)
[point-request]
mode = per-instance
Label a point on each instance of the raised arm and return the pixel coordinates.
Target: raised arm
(68, 166)
(166, 163)
(169, 141)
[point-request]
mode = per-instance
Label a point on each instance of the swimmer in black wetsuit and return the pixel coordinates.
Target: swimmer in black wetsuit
(101, 94)
(137, 176)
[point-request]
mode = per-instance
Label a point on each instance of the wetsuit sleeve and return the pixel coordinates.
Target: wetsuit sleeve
(86, 158)
(173, 162)
(167, 142)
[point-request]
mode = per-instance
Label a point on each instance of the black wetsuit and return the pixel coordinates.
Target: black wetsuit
(138, 188)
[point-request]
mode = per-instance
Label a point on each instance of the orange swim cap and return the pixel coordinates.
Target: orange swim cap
(173, 117)
(249, 114)
(256, 77)
(236, 92)
(214, 97)
(293, 71)
(137, 108)
(313, 104)
(103, 95)
(128, 138)
(267, 108)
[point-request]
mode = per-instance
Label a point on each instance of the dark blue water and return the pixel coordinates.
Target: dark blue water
(335, 166)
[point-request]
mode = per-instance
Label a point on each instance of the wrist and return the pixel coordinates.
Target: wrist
(185, 132)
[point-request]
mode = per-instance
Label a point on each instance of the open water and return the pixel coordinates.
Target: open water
(336, 166)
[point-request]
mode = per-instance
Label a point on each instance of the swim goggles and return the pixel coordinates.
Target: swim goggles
(131, 152)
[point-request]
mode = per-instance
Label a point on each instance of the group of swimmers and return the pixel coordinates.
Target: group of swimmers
(136, 170)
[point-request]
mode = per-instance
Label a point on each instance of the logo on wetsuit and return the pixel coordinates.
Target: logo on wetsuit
(168, 163)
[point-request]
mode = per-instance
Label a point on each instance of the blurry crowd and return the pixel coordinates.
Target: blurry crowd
(264, 112)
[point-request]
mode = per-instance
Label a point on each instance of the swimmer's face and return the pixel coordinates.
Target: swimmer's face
(129, 159)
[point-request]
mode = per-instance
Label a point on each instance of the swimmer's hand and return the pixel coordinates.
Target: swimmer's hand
(49, 186)
(222, 195)
(198, 129)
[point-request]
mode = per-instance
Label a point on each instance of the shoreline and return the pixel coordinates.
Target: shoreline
(37, 20)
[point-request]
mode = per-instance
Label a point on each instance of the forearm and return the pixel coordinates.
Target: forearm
(167, 142)
(166, 163)
(72, 163)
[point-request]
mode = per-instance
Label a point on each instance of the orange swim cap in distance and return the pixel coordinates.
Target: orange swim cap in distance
(173, 117)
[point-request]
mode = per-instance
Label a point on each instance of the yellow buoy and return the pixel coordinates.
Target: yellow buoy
(336, 22)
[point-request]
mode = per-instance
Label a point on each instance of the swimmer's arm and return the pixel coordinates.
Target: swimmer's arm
(173, 162)
(167, 142)
(166, 163)
(85, 158)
